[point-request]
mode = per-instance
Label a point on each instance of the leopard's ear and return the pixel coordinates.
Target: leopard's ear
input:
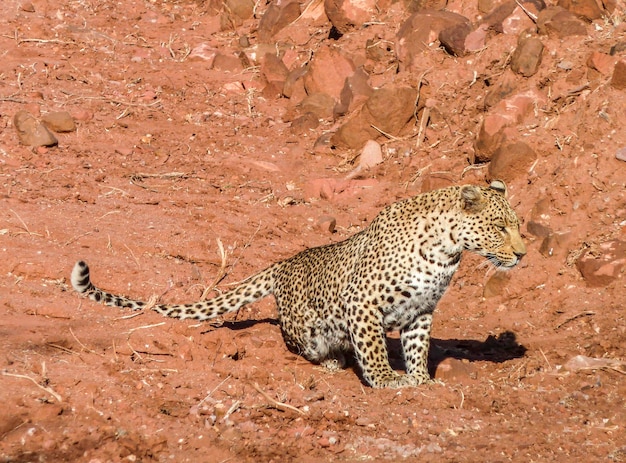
(472, 198)
(499, 186)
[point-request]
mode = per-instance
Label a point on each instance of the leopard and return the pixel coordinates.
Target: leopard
(339, 301)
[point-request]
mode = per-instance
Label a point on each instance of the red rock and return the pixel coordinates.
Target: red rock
(388, 109)
(454, 369)
(420, 30)
(517, 22)
(319, 104)
(496, 285)
(371, 155)
(476, 39)
(604, 265)
(526, 58)
(59, 121)
(425, 5)
(28, 7)
(618, 80)
(204, 52)
(601, 62)
(31, 132)
(326, 223)
(243, 9)
(294, 85)
(453, 38)
(558, 22)
(347, 15)
(328, 72)
(621, 154)
(304, 123)
(277, 16)
(274, 71)
(511, 161)
(503, 88)
(555, 244)
(227, 63)
(490, 136)
(587, 9)
(355, 92)
(509, 112)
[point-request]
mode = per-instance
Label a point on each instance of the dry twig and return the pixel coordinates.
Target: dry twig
(45, 388)
(275, 403)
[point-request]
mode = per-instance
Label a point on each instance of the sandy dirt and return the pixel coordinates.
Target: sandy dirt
(173, 158)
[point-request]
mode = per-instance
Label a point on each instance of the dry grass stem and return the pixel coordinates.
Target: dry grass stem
(144, 327)
(82, 345)
(586, 313)
(221, 272)
(275, 403)
(45, 388)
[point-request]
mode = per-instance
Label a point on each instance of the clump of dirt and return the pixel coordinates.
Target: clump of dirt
(202, 141)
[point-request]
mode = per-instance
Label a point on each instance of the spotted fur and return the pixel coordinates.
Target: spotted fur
(342, 298)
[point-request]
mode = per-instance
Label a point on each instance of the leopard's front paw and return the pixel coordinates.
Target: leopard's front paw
(395, 381)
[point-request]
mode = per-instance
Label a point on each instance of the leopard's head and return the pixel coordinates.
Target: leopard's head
(490, 225)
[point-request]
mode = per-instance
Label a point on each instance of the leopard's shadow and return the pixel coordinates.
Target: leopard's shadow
(493, 349)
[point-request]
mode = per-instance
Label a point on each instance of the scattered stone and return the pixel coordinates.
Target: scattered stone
(558, 22)
(453, 38)
(204, 52)
(496, 284)
(31, 132)
(527, 56)
(511, 161)
(497, 14)
(555, 244)
(274, 71)
(413, 6)
(617, 48)
(604, 265)
(277, 16)
(451, 368)
(420, 30)
(371, 155)
(519, 21)
(477, 39)
(326, 223)
(27, 7)
(495, 128)
(319, 104)
(601, 62)
(618, 80)
(243, 9)
(328, 72)
(503, 88)
(347, 15)
(388, 109)
(490, 136)
(227, 63)
(621, 154)
(539, 223)
(59, 121)
(582, 362)
(587, 9)
(355, 92)
(304, 123)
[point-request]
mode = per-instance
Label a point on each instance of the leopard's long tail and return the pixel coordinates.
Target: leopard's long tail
(250, 290)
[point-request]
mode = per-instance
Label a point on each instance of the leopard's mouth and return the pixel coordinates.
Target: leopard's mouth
(503, 264)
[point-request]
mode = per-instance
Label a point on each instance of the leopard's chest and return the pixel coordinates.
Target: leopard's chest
(419, 294)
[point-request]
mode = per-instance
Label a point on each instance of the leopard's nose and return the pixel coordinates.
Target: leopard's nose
(519, 253)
